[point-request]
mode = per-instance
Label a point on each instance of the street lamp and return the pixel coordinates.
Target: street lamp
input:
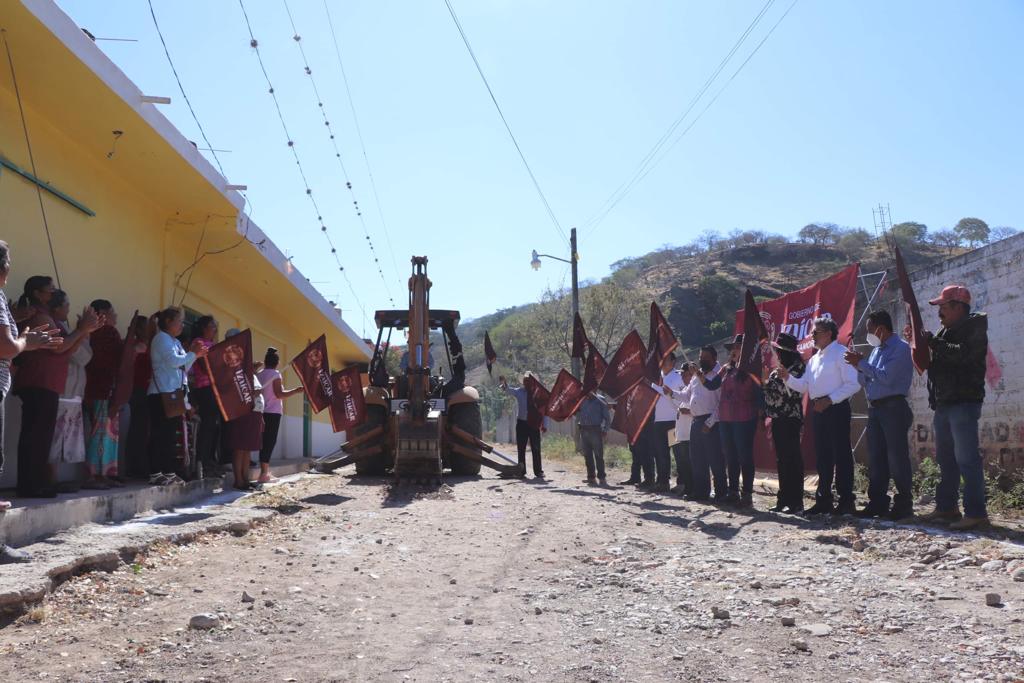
(573, 260)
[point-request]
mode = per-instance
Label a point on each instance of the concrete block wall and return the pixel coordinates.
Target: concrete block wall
(995, 276)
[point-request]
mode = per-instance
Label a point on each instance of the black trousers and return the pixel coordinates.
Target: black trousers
(833, 453)
(163, 449)
(3, 398)
(137, 441)
(271, 427)
(659, 456)
(684, 470)
(592, 442)
(38, 421)
(208, 435)
(524, 434)
(789, 461)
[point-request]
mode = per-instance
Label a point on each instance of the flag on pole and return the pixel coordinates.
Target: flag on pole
(229, 364)
(660, 343)
(626, 368)
(579, 337)
(489, 353)
(314, 371)
(536, 401)
(633, 409)
(755, 335)
(348, 406)
(918, 344)
(594, 369)
(566, 396)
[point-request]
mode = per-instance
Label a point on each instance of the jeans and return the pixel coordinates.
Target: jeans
(524, 434)
(592, 442)
(271, 427)
(738, 449)
(705, 457)
(789, 461)
(956, 450)
(684, 470)
(833, 453)
(658, 454)
(38, 421)
(889, 454)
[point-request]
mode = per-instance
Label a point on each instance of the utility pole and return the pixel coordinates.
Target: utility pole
(575, 257)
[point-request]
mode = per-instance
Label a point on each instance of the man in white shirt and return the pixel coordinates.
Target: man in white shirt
(676, 382)
(664, 419)
(830, 382)
(702, 395)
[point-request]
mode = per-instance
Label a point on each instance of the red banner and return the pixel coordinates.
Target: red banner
(594, 370)
(229, 365)
(626, 368)
(314, 372)
(794, 313)
(490, 355)
(918, 344)
(566, 396)
(632, 410)
(754, 349)
(348, 407)
(536, 401)
(834, 297)
(579, 337)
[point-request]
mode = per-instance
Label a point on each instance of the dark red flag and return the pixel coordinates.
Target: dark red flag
(626, 368)
(229, 365)
(314, 372)
(348, 407)
(754, 335)
(566, 396)
(579, 337)
(660, 343)
(594, 370)
(632, 410)
(489, 353)
(918, 344)
(536, 401)
(125, 381)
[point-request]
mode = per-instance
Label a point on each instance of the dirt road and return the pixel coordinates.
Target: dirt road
(495, 580)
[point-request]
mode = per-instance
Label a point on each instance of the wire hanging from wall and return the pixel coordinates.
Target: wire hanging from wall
(297, 38)
(254, 44)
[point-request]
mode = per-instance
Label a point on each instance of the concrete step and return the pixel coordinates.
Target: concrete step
(31, 519)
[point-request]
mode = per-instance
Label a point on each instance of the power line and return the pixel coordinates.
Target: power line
(337, 153)
(254, 44)
(362, 144)
(540, 192)
(626, 186)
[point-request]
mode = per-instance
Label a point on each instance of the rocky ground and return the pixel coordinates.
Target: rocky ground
(489, 579)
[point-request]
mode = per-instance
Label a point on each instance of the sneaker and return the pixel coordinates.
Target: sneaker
(662, 488)
(592, 481)
(629, 482)
(602, 482)
(937, 515)
(969, 522)
(5, 505)
(819, 508)
(9, 555)
(747, 500)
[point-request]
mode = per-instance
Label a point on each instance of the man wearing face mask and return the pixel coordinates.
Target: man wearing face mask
(703, 395)
(956, 390)
(886, 375)
(830, 382)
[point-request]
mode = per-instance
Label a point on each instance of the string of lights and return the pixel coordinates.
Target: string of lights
(297, 38)
(254, 44)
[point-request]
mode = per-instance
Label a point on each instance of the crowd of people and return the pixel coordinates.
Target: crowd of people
(118, 408)
(713, 411)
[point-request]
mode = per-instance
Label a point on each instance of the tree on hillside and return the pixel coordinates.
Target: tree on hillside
(708, 239)
(947, 239)
(819, 233)
(1001, 233)
(972, 230)
(909, 232)
(854, 243)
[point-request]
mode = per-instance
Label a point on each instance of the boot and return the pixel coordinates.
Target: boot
(968, 523)
(938, 515)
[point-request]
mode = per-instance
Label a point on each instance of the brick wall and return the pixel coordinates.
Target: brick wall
(995, 276)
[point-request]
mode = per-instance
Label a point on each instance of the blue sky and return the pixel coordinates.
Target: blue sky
(847, 104)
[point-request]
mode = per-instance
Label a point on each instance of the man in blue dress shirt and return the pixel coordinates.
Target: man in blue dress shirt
(886, 375)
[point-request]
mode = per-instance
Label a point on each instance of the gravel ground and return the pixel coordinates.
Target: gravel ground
(488, 579)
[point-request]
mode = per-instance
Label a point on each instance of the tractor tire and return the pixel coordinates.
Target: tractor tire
(376, 465)
(466, 416)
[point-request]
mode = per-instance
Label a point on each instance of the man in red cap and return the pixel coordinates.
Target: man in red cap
(956, 389)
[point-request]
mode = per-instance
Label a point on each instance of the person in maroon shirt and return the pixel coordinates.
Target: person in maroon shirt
(136, 456)
(39, 379)
(737, 415)
(101, 373)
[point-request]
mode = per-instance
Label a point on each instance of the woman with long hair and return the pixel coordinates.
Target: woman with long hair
(13, 343)
(69, 434)
(102, 441)
(39, 382)
(274, 394)
(201, 395)
(170, 363)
